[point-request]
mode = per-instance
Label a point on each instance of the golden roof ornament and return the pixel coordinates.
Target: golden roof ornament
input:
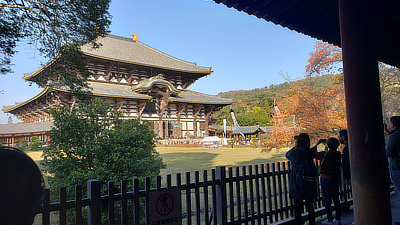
(135, 37)
(159, 76)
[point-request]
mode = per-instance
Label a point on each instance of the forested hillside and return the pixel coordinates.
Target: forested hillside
(255, 107)
(314, 104)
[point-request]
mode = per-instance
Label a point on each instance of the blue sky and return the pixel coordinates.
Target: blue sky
(244, 52)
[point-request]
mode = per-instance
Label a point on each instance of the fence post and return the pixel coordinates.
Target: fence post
(94, 209)
(345, 204)
(221, 213)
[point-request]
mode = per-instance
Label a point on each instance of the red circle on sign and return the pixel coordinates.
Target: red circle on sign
(164, 204)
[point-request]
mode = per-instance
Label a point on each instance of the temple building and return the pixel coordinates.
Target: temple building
(144, 83)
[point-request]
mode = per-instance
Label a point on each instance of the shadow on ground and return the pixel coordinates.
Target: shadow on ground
(187, 162)
(275, 158)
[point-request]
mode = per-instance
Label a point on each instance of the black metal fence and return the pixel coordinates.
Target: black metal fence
(235, 195)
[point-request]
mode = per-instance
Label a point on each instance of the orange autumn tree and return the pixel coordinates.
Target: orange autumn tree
(313, 105)
(325, 59)
(316, 110)
(283, 130)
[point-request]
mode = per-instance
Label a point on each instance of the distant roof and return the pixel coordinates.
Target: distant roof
(22, 128)
(124, 91)
(244, 129)
(320, 19)
(211, 138)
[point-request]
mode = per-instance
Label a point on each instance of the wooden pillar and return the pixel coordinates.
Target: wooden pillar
(194, 126)
(196, 111)
(12, 141)
(166, 122)
(160, 129)
(179, 128)
(369, 170)
(165, 127)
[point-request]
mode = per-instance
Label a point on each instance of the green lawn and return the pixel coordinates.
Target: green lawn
(181, 160)
(190, 159)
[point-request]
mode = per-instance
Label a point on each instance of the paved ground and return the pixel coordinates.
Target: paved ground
(348, 218)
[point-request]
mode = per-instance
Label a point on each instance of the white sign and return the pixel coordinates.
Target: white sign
(165, 207)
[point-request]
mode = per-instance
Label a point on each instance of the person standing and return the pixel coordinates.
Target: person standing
(343, 139)
(298, 155)
(392, 149)
(330, 179)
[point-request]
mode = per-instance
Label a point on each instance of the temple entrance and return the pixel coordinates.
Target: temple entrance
(169, 128)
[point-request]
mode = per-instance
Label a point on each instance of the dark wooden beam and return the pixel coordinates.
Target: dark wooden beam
(369, 170)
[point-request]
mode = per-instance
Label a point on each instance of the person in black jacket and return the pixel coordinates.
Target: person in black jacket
(297, 155)
(343, 139)
(21, 187)
(392, 149)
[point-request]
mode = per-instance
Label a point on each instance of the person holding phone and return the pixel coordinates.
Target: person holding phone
(299, 154)
(330, 178)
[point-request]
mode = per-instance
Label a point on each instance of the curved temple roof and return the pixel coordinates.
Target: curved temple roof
(121, 49)
(124, 91)
(130, 51)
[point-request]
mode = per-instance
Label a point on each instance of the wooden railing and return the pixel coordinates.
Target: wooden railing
(235, 195)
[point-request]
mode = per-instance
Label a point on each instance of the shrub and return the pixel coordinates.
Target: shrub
(36, 144)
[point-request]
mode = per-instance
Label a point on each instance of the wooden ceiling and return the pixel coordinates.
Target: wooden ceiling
(320, 19)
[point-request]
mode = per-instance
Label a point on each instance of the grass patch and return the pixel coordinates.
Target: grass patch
(190, 159)
(183, 159)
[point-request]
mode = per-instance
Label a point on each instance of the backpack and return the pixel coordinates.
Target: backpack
(306, 177)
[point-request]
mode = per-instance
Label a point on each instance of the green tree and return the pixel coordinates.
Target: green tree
(390, 90)
(51, 26)
(92, 142)
(249, 114)
(36, 144)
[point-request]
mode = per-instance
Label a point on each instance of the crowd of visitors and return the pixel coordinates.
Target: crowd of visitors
(304, 174)
(330, 163)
